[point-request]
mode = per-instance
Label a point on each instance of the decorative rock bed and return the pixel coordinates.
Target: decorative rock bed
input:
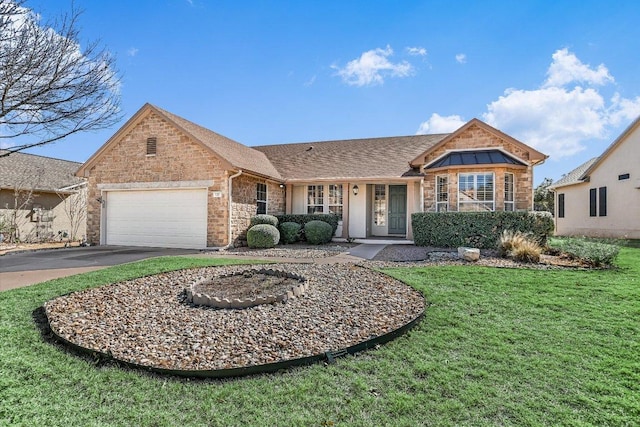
(149, 323)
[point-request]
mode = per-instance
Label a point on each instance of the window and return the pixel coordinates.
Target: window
(152, 146)
(475, 192)
(561, 205)
(509, 201)
(623, 177)
(380, 205)
(602, 201)
(261, 198)
(442, 193)
(592, 202)
(335, 200)
(315, 199)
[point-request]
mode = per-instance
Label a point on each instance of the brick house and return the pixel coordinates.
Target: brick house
(162, 180)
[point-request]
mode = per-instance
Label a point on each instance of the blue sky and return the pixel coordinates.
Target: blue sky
(562, 76)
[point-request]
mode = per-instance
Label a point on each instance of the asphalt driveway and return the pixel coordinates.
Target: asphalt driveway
(26, 268)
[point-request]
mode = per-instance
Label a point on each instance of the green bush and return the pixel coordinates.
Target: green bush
(263, 236)
(477, 229)
(302, 219)
(290, 232)
(318, 232)
(264, 219)
(595, 253)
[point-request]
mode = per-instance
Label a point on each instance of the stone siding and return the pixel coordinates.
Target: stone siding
(477, 138)
(178, 158)
(244, 204)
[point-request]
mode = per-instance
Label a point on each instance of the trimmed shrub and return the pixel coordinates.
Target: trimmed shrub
(302, 219)
(477, 229)
(596, 253)
(263, 236)
(518, 246)
(290, 232)
(318, 232)
(264, 219)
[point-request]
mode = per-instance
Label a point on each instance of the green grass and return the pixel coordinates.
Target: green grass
(496, 347)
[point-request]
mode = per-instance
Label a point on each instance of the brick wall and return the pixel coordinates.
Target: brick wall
(476, 137)
(244, 204)
(178, 158)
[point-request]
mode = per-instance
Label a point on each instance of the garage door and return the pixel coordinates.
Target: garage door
(157, 218)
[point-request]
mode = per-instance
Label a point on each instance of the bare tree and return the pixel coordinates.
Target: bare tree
(50, 88)
(16, 215)
(75, 208)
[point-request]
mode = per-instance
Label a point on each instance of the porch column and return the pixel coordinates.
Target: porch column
(288, 197)
(346, 192)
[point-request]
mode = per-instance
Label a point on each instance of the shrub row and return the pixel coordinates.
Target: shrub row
(302, 219)
(477, 229)
(595, 253)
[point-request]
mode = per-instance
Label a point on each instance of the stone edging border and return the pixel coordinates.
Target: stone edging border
(328, 356)
(213, 301)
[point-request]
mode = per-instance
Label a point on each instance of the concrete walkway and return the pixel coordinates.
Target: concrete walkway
(367, 251)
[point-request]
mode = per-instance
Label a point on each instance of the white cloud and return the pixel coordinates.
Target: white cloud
(416, 51)
(461, 58)
(440, 124)
(372, 67)
(132, 51)
(311, 81)
(567, 68)
(553, 120)
(623, 110)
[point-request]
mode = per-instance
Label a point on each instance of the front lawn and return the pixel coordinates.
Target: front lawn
(496, 347)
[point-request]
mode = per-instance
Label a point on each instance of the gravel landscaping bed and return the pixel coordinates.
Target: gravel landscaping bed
(291, 251)
(148, 322)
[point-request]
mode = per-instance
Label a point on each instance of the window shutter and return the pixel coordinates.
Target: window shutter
(602, 205)
(592, 202)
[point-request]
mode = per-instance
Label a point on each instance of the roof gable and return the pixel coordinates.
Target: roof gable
(614, 145)
(234, 154)
(534, 156)
(39, 173)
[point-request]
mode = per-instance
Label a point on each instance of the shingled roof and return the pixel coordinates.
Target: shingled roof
(238, 155)
(370, 158)
(38, 173)
(574, 176)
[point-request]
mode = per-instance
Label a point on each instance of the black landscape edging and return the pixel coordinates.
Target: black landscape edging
(328, 356)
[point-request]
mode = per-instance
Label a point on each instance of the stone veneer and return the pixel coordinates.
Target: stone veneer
(178, 158)
(477, 138)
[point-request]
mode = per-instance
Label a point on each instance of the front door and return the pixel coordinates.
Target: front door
(397, 209)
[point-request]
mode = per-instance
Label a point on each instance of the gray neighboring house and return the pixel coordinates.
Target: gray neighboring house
(41, 199)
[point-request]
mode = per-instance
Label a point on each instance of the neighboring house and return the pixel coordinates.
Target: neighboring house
(162, 180)
(41, 199)
(601, 198)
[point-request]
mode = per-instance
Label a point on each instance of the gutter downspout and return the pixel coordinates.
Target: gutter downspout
(230, 206)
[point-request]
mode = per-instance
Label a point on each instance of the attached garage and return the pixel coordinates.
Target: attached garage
(174, 218)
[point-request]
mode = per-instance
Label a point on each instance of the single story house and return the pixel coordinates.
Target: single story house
(601, 198)
(162, 180)
(41, 199)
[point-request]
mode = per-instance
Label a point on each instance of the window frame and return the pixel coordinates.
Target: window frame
(442, 197)
(477, 202)
(512, 192)
(380, 205)
(561, 205)
(602, 201)
(335, 200)
(318, 199)
(593, 207)
(259, 201)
